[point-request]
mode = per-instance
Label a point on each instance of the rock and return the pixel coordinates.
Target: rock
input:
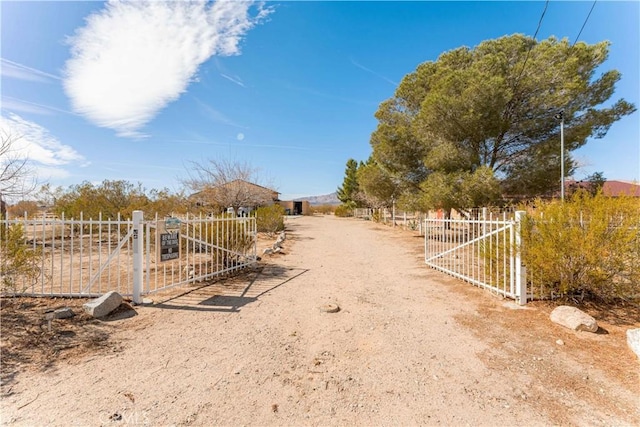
(559, 342)
(277, 250)
(330, 308)
(633, 340)
(573, 318)
(277, 245)
(104, 305)
(63, 313)
(267, 251)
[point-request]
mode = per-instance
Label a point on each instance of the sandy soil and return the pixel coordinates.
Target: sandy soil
(409, 346)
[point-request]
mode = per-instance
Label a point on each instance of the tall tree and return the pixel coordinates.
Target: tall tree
(488, 115)
(348, 191)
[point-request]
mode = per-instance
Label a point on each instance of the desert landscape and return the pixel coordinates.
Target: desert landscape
(346, 326)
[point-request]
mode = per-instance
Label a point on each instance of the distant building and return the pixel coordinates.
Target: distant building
(611, 188)
(296, 208)
(237, 196)
(620, 188)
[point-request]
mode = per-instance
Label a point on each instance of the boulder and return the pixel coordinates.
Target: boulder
(573, 318)
(633, 340)
(267, 251)
(104, 305)
(63, 313)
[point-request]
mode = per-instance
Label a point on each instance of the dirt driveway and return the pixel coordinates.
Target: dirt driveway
(409, 346)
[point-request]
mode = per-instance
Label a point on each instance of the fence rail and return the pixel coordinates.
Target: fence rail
(79, 257)
(483, 252)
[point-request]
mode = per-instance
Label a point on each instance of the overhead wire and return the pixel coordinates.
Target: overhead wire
(526, 58)
(584, 23)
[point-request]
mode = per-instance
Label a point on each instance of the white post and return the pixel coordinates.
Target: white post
(521, 282)
(137, 256)
(562, 158)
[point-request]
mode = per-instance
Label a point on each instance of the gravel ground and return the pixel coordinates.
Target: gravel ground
(409, 346)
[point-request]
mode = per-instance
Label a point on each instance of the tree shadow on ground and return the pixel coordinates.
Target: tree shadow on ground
(229, 295)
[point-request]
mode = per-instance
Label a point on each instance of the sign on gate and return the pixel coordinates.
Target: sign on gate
(169, 246)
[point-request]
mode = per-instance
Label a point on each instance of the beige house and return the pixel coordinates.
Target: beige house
(238, 195)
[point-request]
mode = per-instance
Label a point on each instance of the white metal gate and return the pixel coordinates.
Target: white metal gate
(483, 252)
(85, 258)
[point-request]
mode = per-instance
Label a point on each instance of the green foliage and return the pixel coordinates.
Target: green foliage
(586, 247)
(19, 261)
(115, 197)
(270, 219)
(349, 189)
(378, 187)
(482, 107)
(344, 211)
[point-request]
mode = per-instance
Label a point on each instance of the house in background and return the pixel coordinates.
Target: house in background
(242, 197)
(235, 196)
(621, 188)
(611, 188)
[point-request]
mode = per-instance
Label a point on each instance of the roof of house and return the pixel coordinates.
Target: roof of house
(619, 188)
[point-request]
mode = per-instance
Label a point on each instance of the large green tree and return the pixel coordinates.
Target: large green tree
(481, 122)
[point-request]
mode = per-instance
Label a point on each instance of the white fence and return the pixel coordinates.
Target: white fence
(69, 257)
(483, 252)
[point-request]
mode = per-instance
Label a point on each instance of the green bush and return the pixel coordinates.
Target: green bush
(587, 247)
(19, 261)
(343, 211)
(270, 219)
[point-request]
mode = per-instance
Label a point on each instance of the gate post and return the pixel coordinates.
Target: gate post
(521, 282)
(137, 256)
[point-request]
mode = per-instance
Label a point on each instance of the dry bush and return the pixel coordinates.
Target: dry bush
(587, 247)
(270, 219)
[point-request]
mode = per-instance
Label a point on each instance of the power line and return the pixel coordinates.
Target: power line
(546, 4)
(585, 23)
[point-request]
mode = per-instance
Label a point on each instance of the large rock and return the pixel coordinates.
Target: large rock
(104, 305)
(573, 318)
(633, 340)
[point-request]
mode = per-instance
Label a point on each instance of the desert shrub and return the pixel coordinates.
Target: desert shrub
(375, 216)
(343, 211)
(19, 260)
(323, 209)
(587, 247)
(270, 219)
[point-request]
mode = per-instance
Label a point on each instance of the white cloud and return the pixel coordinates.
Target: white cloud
(35, 143)
(133, 58)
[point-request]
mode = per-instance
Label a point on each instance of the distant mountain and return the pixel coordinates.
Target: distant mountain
(327, 199)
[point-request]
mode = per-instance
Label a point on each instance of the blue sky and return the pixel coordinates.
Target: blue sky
(137, 91)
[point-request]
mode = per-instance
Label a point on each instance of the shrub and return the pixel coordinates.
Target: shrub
(586, 247)
(270, 219)
(19, 261)
(343, 211)
(323, 209)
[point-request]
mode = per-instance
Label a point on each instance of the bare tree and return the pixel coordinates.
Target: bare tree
(223, 183)
(17, 178)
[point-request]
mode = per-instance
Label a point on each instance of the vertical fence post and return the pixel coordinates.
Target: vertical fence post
(137, 256)
(521, 282)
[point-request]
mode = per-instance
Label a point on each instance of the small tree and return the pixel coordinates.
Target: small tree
(17, 177)
(350, 188)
